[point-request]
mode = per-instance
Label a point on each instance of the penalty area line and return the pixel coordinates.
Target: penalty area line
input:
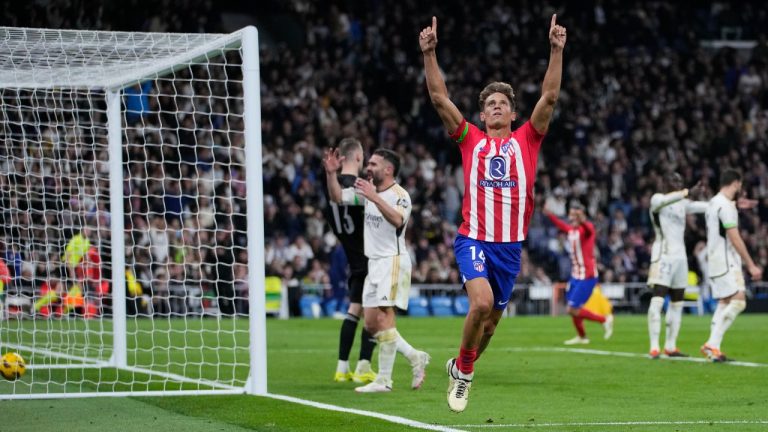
(616, 423)
(385, 417)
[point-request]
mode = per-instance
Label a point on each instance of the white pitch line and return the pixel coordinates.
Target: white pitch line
(94, 364)
(625, 354)
(385, 417)
(627, 423)
(558, 349)
(48, 353)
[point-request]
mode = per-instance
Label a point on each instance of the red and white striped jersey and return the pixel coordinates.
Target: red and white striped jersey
(582, 243)
(498, 182)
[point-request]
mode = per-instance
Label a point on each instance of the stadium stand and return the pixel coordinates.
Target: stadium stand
(633, 104)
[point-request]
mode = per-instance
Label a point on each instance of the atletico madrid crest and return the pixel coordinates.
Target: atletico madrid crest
(479, 266)
(505, 147)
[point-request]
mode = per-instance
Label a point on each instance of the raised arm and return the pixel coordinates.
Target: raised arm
(696, 192)
(550, 88)
(560, 224)
(332, 164)
(693, 207)
(438, 92)
(659, 201)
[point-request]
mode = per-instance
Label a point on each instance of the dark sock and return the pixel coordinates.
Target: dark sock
(584, 313)
(579, 324)
(465, 362)
(347, 336)
(367, 344)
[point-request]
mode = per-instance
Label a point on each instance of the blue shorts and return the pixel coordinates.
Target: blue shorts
(579, 291)
(497, 262)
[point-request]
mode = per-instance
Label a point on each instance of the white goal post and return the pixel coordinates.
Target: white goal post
(132, 213)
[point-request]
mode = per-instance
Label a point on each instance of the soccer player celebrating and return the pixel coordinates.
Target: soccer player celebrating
(725, 252)
(387, 210)
(499, 170)
(669, 263)
(346, 221)
(581, 238)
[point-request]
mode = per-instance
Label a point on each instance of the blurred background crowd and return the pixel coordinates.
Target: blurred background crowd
(642, 95)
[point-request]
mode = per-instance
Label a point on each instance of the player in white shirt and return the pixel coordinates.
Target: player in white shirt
(669, 262)
(726, 252)
(387, 210)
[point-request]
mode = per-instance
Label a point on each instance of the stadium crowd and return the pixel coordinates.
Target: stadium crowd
(634, 104)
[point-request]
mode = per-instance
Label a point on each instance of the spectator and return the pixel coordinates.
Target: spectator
(137, 101)
(618, 130)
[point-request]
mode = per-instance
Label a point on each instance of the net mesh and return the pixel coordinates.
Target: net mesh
(184, 211)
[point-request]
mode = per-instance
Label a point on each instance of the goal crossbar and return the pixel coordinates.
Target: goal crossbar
(148, 54)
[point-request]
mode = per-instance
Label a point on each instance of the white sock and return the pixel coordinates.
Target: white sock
(716, 317)
(387, 340)
(403, 347)
(342, 366)
(363, 366)
(467, 377)
(674, 318)
(734, 308)
(654, 321)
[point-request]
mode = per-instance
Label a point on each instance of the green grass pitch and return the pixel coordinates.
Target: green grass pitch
(526, 380)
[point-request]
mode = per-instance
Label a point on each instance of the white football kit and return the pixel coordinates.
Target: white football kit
(389, 264)
(723, 262)
(669, 261)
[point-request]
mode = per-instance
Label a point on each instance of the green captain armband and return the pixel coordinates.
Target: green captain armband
(463, 133)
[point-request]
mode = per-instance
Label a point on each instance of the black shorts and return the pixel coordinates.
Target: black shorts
(355, 284)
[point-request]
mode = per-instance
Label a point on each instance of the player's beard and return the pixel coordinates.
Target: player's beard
(371, 177)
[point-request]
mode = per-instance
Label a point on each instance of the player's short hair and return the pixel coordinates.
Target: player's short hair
(390, 157)
(497, 87)
(729, 176)
(577, 206)
(348, 146)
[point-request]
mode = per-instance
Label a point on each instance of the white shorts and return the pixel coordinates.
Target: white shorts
(669, 272)
(388, 282)
(728, 284)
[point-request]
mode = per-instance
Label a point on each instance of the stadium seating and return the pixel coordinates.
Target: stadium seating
(418, 306)
(601, 149)
(694, 300)
(310, 306)
(461, 305)
(329, 308)
(441, 306)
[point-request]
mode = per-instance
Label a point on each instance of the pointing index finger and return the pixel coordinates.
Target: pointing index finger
(554, 18)
(434, 24)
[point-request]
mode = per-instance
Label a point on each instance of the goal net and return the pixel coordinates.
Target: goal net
(128, 236)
